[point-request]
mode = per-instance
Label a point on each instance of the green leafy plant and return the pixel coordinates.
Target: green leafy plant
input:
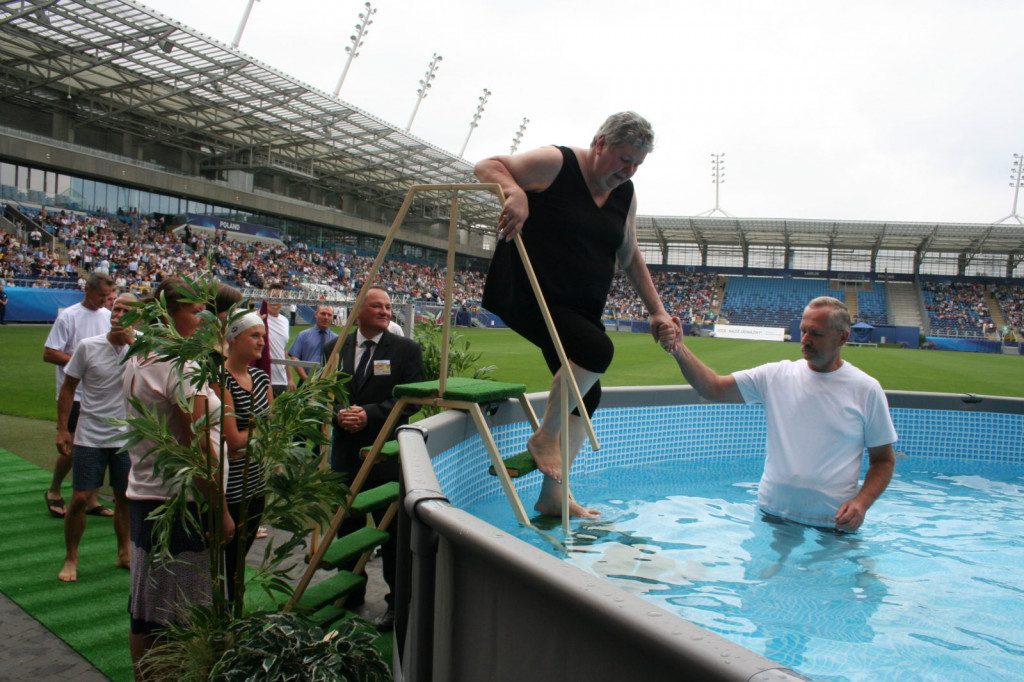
(462, 362)
(282, 647)
(300, 494)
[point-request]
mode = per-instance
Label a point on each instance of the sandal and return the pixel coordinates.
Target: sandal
(55, 506)
(261, 532)
(100, 510)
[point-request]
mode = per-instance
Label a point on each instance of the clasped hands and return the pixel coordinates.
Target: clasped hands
(352, 419)
(667, 331)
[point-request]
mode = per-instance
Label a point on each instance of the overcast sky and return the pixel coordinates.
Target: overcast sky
(868, 110)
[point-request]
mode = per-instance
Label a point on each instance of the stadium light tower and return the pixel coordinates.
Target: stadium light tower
(476, 118)
(241, 25)
(1016, 183)
(519, 135)
(357, 42)
(425, 84)
(717, 178)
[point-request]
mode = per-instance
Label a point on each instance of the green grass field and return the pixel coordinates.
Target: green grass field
(27, 383)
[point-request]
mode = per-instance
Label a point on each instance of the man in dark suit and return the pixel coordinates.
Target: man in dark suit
(377, 361)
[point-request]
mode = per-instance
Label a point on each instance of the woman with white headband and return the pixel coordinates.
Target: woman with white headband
(246, 394)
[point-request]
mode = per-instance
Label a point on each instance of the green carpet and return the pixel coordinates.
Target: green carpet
(90, 614)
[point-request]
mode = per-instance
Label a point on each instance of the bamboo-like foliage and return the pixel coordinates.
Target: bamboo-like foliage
(299, 494)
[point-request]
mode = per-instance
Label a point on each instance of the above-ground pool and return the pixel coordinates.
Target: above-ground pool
(929, 589)
(898, 600)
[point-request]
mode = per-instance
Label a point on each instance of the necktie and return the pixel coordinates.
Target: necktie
(323, 339)
(364, 363)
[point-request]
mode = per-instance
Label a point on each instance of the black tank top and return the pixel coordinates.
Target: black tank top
(571, 242)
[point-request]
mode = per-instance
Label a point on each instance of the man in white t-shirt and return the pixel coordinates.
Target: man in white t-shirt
(277, 338)
(88, 318)
(822, 413)
(95, 446)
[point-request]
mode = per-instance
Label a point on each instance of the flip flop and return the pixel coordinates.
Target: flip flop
(261, 532)
(100, 510)
(56, 506)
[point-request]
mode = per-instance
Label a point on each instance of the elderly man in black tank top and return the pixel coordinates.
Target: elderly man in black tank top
(576, 211)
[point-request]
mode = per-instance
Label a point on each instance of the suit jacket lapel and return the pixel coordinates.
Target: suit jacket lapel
(348, 351)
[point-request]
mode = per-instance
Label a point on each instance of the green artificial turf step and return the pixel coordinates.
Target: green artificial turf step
(517, 465)
(348, 548)
(388, 451)
(371, 500)
(328, 615)
(332, 589)
(462, 388)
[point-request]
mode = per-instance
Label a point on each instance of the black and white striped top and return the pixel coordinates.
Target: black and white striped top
(247, 405)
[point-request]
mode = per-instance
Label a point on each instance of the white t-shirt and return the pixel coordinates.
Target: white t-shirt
(819, 424)
(96, 363)
(277, 337)
(75, 323)
(159, 387)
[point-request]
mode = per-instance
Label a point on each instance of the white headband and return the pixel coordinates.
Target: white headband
(241, 324)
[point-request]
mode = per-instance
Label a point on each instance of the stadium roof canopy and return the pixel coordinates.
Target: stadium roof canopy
(123, 67)
(963, 238)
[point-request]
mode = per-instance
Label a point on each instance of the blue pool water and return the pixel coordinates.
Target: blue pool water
(931, 588)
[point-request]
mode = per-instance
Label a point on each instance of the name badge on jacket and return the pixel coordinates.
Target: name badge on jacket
(381, 368)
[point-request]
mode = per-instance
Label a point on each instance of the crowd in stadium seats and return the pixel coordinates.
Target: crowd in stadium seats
(689, 295)
(1011, 302)
(956, 309)
(139, 252)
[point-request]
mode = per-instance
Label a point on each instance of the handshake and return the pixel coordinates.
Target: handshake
(668, 334)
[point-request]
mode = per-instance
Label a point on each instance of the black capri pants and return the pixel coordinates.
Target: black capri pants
(584, 339)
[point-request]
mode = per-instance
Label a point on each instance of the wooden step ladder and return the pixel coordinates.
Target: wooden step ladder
(451, 393)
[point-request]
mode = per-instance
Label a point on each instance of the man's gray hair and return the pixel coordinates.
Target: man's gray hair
(839, 318)
(627, 127)
(97, 279)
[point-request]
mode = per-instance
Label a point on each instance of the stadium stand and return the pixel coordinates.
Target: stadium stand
(872, 305)
(1011, 304)
(956, 309)
(771, 301)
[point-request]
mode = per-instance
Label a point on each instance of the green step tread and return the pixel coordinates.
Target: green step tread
(331, 590)
(329, 615)
(350, 547)
(389, 450)
(375, 498)
(462, 388)
(517, 465)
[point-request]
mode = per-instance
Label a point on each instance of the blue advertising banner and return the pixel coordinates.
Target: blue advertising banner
(215, 223)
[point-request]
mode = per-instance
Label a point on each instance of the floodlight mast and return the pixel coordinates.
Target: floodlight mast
(519, 135)
(425, 84)
(1016, 183)
(476, 118)
(241, 26)
(717, 178)
(362, 28)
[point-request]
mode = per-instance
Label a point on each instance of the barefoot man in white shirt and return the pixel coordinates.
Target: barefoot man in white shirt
(95, 446)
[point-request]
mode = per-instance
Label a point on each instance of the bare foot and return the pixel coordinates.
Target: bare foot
(547, 454)
(575, 510)
(69, 573)
(549, 502)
